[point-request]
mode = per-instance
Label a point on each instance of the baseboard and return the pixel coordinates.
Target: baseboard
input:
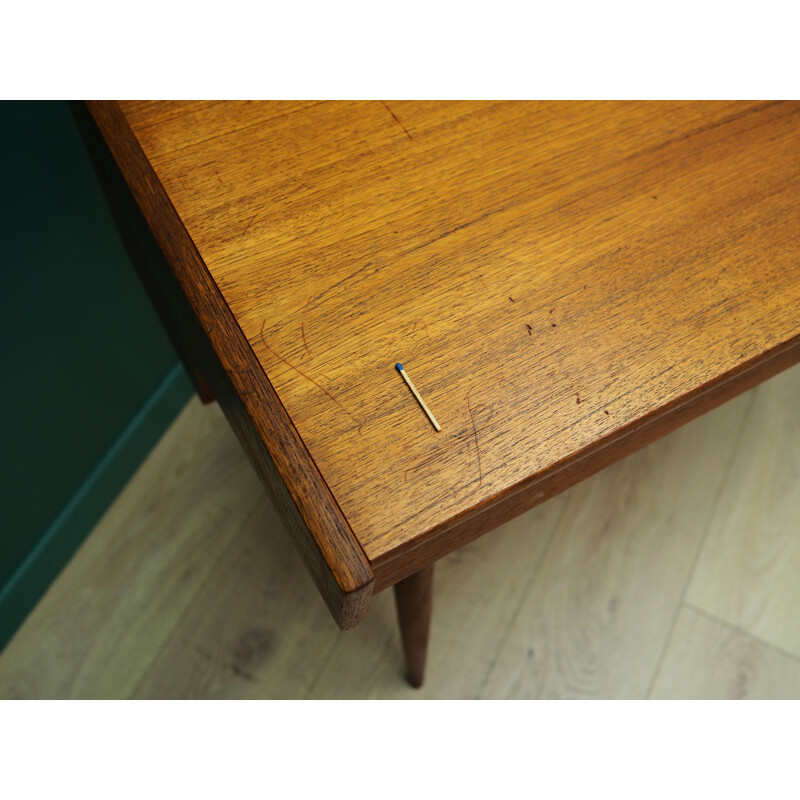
(66, 533)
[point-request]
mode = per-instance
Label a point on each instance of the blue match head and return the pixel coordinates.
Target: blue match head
(398, 366)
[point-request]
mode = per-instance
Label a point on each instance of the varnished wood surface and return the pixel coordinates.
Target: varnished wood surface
(190, 587)
(556, 278)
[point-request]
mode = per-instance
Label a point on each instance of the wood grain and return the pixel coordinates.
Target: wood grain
(565, 282)
(334, 557)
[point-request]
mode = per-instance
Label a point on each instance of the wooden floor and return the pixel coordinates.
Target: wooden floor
(674, 574)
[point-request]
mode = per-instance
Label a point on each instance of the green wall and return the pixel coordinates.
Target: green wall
(90, 379)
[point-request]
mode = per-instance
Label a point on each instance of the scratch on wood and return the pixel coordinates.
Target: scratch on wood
(475, 435)
(461, 227)
(305, 343)
(249, 224)
(530, 330)
(394, 117)
(459, 439)
(308, 378)
(344, 282)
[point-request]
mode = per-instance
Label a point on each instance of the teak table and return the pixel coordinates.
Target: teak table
(563, 282)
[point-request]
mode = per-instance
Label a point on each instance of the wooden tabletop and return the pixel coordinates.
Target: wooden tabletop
(562, 281)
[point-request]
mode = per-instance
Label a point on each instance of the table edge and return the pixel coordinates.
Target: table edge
(397, 564)
(332, 553)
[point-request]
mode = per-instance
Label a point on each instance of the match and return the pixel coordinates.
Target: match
(410, 384)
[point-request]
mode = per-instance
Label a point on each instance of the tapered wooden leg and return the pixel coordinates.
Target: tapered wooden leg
(414, 599)
(203, 389)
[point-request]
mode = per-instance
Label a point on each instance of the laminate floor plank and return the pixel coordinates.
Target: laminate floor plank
(708, 660)
(104, 618)
(749, 570)
(257, 627)
(475, 590)
(190, 586)
(596, 619)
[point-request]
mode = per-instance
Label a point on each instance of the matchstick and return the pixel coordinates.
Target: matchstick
(399, 368)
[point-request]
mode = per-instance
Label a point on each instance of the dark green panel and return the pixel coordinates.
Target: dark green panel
(55, 546)
(83, 351)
